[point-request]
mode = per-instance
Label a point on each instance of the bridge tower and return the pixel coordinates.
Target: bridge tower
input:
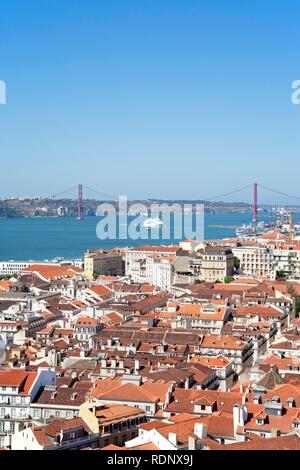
(255, 208)
(79, 203)
(291, 224)
(255, 203)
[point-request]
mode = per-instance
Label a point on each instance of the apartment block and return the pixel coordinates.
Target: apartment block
(107, 263)
(255, 261)
(18, 389)
(217, 263)
(135, 260)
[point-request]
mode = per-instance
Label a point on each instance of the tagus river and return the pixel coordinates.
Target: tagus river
(49, 237)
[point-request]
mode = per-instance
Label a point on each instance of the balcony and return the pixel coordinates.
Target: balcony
(15, 418)
(79, 441)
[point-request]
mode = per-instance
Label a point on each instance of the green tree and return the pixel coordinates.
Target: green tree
(228, 279)
(281, 274)
(295, 300)
(237, 263)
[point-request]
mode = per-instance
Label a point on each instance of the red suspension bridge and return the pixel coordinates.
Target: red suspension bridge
(255, 187)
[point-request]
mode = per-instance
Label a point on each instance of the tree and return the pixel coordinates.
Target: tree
(291, 291)
(228, 279)
(237, 263)
(281, 274)
(295, 299)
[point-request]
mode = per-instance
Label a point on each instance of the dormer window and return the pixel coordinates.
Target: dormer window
(275, 399)
(273, 408)
(260, 421)
(74, 396)
(291, 402)
(257, 399)
(53, 395)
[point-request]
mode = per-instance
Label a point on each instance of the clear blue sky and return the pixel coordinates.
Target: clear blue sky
(149, 98)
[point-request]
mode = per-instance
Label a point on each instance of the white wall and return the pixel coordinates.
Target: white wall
(25, 440)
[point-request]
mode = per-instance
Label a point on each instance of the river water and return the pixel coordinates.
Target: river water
(49, 237)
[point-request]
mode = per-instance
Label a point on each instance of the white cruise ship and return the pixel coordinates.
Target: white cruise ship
(152, 222)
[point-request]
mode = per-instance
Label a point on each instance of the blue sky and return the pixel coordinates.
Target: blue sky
(149, 98)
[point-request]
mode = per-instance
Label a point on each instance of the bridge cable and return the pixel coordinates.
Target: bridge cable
(100, 193)
(62, 192)
(227, 194)
(279, 192)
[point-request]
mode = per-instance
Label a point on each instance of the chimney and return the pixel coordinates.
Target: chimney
(236, 417)
(136, 365)
(200, 430)
(191, 443)
(240, 414)
(168, 396)
(172, 438)
(275, 432)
